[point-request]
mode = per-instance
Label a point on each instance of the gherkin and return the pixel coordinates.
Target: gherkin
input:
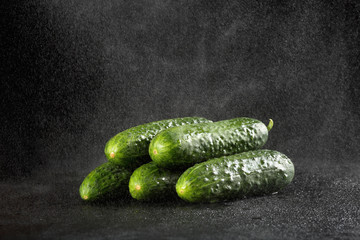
(151, 183)
(245, 174)
(183, 146)
(106, 181)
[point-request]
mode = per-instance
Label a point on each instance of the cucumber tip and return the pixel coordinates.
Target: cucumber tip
(155, 152)
(270, 125)
(181, 191)
(138, 187)
(112, 154)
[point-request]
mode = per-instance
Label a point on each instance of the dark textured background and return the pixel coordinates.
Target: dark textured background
(74, 73)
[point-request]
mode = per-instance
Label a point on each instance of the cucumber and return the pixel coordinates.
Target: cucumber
(245, 174)
(151, 183)
(107, 180)
(129, 148)
(184, 146)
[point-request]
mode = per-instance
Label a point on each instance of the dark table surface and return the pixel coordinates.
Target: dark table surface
(321, 203)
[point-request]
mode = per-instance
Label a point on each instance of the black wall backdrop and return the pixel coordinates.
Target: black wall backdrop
(75, 73)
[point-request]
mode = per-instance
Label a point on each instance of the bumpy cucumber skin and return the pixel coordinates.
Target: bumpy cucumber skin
(186, 145)
(246, 174)
(151, 183)
(129, 147)
(107, 180)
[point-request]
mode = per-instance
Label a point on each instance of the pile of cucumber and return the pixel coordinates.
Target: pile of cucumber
(192, 158)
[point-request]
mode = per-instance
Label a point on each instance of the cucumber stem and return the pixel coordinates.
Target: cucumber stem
(271, 124)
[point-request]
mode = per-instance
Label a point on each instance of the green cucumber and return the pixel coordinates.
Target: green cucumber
(245, 174)
(184, 146)
(129, 148)
(107, 180)
(149, 183)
